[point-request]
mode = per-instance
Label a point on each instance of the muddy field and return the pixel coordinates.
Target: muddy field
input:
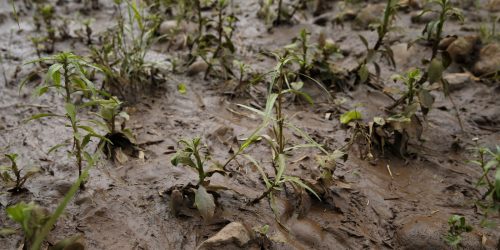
(391, 201)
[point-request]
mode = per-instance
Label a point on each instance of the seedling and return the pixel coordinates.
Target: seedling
(383, 28)
(284, 12)
(71, 69)
(36, 222)
(47, 12)
(489, 35)
(12, 175)
(191, 154)
(277, 123)
(489, 161)
(434, 29)
(123, 51)
(116, 134)
(457, 226)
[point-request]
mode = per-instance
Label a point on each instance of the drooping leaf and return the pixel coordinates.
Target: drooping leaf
(426, 99)
(204, 203)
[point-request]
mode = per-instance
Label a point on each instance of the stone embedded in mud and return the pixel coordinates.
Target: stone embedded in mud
(462, 49)
(458, 81)
(233, 236)
(197, 67)
(489, 60)
(426, 232)
(368, 15)
(167, 27)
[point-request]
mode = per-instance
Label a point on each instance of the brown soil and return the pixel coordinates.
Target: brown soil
(126, 207)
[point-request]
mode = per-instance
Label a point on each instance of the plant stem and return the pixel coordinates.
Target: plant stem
(278, 19)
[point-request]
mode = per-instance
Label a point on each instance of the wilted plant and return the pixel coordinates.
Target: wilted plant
(13, 176)
(191, 154)
(457, 226)
(67, 76)
(489, 35)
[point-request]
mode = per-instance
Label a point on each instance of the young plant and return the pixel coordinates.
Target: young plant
(123, 51)
(67, 76)
(36, 222)
(191, 154)
(457, 226)
(47, 11)
(489, 161)
(284, 12)
(224, 48)
(12, 175)
(434, 29)
(117, 136)
(277, 122)
(383, 27)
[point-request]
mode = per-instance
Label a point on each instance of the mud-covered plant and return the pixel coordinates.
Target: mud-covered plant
(274, 119)
(193, 154)
(279, 12)
(301, 48)
(489, 161)
(67, 76)
(383, 27)
(47, 11)
(123, 51)
(113, 123)
(14, 176)
(224, 47)
(457, 226)
(415, 93)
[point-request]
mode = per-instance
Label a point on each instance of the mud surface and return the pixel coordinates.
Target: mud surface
(125, 205)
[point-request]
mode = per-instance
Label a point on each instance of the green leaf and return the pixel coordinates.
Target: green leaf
(435, 70)
(54, 148)
(363, 73)
(349, 116)
(182, 88)
(260, 169)
(299, 182)
(38, 116)
(426, 99)
(7, 231)
(204, 203)
(71, 112)
(281, 166)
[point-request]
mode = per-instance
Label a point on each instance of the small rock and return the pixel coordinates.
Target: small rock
(462, 49)
(197, 67)
(446, 41)
(368, 15)
(489, 60)
(167, 27)
(233, 236)
(459, 81)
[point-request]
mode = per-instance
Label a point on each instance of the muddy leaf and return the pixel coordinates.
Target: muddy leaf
(426, 99)
(120, 157)
(350, 116)
(379, 120)
(297, 85)
(7, 231)
(363, 73)
(435, 70)
(204, 203)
